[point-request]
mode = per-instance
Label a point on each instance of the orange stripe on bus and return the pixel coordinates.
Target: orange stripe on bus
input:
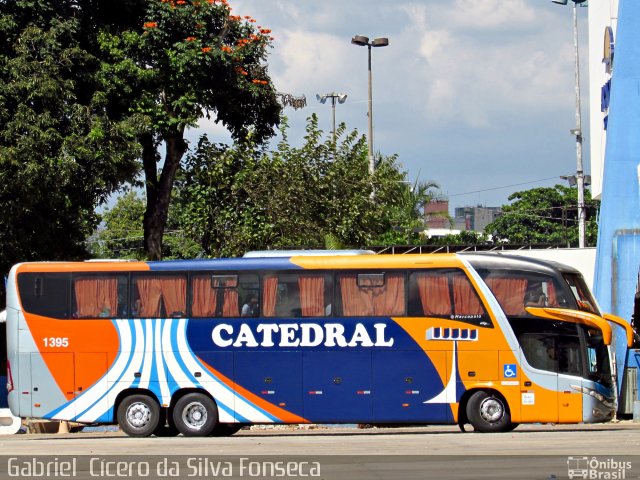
(66, 267)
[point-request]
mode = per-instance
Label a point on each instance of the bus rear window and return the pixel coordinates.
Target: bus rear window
(46, 294)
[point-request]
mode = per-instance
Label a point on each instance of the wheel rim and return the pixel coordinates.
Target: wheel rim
(491, 410)
(194, 415)
(138, 415)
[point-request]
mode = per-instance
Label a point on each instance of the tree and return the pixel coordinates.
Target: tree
(186, 60)
(61, 154)
(407, 216)
(234, 199)
(121, 234)
(544, 216)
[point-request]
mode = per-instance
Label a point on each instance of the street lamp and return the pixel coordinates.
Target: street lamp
(578, 130)
(340, 97)
(363, 41)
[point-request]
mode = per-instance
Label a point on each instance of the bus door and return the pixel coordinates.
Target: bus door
(551, 390)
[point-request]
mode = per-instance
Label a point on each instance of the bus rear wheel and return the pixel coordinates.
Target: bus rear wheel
(138, 415)
(488, 412)
(195, 415)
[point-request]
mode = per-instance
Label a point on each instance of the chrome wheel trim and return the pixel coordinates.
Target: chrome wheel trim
(195, 415)
(138, 415)
(491, 410)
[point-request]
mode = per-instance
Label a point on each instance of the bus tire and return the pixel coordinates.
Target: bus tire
(488, 412)
(138, 415)
(225, 429)
(195, 415)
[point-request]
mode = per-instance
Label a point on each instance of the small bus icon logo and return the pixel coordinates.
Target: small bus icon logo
(578, 467)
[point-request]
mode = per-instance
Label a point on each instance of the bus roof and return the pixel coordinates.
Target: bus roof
(308, 260)
(501, 260)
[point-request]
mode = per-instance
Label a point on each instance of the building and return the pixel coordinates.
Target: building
(475, 218)
(436, 214)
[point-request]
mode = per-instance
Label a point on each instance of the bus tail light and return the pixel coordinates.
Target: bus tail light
(9, 378)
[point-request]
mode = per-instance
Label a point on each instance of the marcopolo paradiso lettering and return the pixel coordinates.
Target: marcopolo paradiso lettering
(299, 335)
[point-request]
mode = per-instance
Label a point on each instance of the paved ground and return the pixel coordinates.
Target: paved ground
(531, 451)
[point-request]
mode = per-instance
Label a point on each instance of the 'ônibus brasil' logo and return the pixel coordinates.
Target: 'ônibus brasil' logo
(299, 335)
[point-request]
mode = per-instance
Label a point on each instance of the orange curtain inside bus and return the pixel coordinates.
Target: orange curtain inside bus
(230, 307)
(434, 295)
(370, 299)
(204, 297)
(465, 301)
(151, 290)
(312, 295)
(96, 297)
(389, 300)
(552, 299)
(174, 295)
(269, 295)
(149, 293)
(509, 292)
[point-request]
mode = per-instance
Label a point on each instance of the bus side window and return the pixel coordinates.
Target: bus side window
(305, 294)
(220, 294)
(429, 294)
(99, 295)
(445, 293)
(156, 296)
(371, 294)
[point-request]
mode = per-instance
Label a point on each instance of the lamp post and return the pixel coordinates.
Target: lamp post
(578, 130)
(340, 97)
(363, 41)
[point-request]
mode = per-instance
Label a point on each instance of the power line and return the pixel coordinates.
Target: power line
(500, 188)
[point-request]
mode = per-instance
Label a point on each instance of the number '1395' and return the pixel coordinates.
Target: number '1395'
(56, 342)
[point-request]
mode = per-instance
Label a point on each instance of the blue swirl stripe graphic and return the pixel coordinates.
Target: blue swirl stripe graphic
(158, 351)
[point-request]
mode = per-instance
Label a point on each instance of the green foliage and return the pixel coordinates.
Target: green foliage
(544, 216)
(121, 234)
(188, 57)
(239, 198)
(184, 60)
(60, 153)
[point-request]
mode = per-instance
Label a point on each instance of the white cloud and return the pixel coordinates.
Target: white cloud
(464, 87)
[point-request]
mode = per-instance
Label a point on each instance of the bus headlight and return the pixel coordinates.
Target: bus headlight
(592, 393)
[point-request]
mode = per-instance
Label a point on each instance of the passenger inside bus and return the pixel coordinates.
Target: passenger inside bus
(250, 307)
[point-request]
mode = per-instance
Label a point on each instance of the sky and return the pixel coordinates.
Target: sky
(475, 95)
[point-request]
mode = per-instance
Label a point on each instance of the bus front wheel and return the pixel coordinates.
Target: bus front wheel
(138, 415)
(488, 412)
(195, 415)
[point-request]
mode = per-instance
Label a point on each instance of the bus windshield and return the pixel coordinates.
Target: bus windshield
(583, 298)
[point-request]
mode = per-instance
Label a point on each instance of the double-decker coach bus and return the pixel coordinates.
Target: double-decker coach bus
(204, 347)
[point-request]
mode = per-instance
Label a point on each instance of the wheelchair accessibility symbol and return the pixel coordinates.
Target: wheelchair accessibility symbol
(510, 370)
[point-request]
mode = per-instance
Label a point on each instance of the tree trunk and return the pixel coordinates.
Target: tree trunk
(159, 189)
